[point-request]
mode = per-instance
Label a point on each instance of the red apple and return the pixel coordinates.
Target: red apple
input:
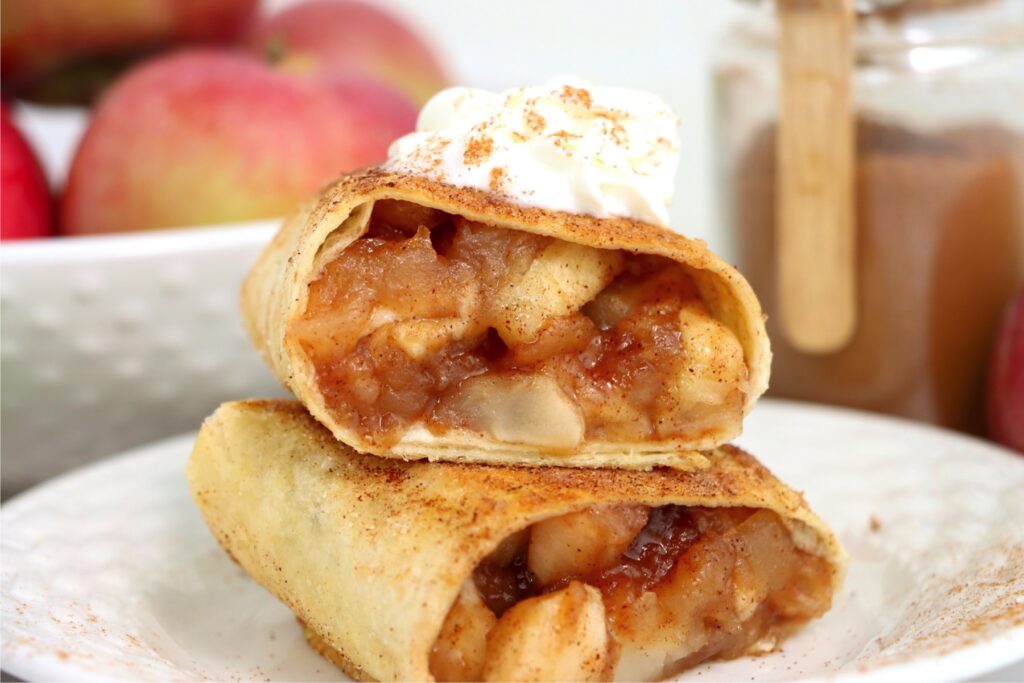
(207, 136)
(25, 206)
(1006, 378)
(66, 50)
(345, 38)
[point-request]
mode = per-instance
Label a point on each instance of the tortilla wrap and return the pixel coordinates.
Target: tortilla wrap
(370, 553)
(276, 293)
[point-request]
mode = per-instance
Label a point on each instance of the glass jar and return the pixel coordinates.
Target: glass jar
(938, 97)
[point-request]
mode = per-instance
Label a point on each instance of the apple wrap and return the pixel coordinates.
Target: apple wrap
(448, 571)
(419, 320)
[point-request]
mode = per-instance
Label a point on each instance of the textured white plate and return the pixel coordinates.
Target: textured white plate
(109, 573)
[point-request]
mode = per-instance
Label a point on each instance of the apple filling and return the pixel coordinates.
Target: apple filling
(434, 319)
(629, 593)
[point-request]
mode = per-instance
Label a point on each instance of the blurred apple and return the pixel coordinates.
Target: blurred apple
(65, 51)
(25, 206)
(1006, 378)
(208, 136)
(346, 38)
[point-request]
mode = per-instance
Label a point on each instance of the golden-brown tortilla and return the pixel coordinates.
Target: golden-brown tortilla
(370, 553)
(276, 293)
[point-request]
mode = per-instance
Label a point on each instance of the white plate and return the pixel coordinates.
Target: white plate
(109, 572)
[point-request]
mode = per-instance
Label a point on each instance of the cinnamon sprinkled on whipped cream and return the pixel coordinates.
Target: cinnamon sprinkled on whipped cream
(565, 146)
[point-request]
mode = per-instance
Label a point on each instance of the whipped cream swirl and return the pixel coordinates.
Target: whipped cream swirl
(566, 145)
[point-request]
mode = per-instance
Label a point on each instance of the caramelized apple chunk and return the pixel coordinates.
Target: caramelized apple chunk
(584, 542)
(530, 409)
(459, 653)
(560, 636)
(708, 377)
(559, 281)
(712, 365)
(649, 288)
(421, 338)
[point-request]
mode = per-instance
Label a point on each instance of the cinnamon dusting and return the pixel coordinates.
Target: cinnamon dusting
(534, 121)
(478, 150)
(562, 139)
(498, 177)
(616, 129)
(580, 96)
(431, 156)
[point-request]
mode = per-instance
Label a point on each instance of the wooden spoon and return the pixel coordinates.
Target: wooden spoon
(815, 150)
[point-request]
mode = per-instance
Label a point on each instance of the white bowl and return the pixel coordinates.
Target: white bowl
(108, 342)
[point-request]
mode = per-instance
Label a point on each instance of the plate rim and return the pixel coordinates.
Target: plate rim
(986, 655)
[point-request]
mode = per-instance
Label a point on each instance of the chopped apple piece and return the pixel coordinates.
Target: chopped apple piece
(713, 365)
(560, 636)
(422, 338)
(580, 543)
(520, 409)
(460, 649)
(628, 294)
(558, 283)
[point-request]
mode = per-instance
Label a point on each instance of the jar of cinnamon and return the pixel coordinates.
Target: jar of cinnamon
(880, 216)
